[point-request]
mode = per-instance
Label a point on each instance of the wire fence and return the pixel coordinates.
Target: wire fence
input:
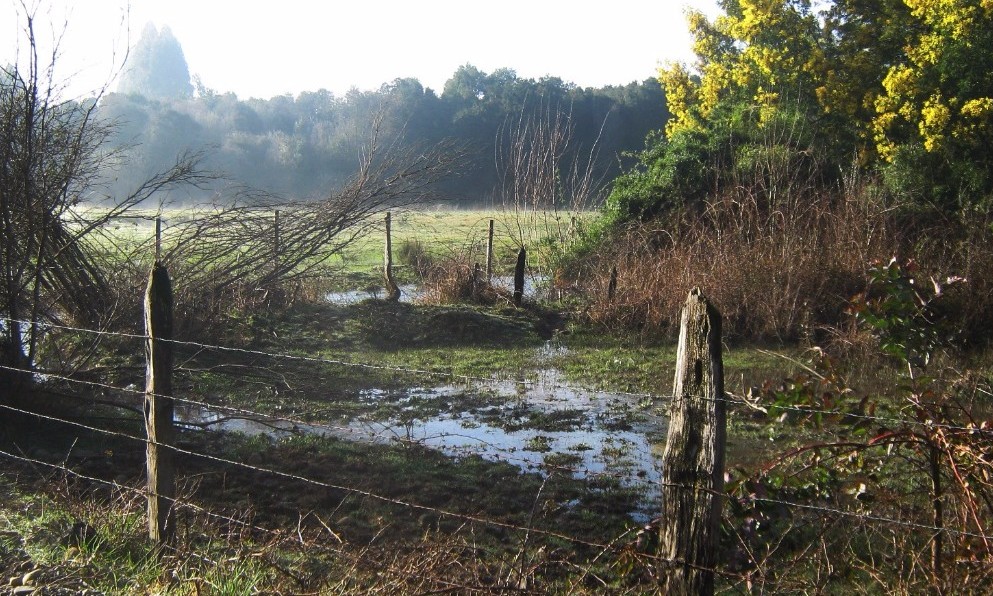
(311, 421)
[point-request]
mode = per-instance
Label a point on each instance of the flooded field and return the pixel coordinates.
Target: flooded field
(541, 425)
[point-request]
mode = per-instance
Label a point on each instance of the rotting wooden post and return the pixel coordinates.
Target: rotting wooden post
(159, 405)
(519, 277)
(693, 461)
(489, 254)
(392, 289)
(612, 284)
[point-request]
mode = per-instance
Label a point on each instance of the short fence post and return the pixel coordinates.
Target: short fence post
(519, 277)
(612, 284)
(159, 405)
(693, 461)
(392, 289)
(489, 254)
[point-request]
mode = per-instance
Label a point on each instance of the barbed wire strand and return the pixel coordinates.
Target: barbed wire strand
(872, 517)
(732, 399)
(738, 401)
(353, 364)
(279, 534)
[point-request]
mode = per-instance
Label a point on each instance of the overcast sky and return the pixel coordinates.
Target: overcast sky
(263, 48)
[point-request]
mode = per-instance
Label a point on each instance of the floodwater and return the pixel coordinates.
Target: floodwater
(533, 285)
(595, 434)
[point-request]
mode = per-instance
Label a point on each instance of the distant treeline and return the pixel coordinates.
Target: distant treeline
(307, 145)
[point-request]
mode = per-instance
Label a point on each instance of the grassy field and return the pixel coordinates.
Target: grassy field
(439, 234)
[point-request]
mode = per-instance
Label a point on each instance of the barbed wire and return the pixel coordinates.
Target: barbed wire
(730, 399)
(871, 517)
(137, 491)
(281, 535)
(465, 517)
(352, 364)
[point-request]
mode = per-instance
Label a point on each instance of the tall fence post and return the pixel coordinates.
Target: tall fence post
(158, 239)
(519, 277)
(159, 405)
(276, 248)
(489, 254)
(693, 461)
(392, 289)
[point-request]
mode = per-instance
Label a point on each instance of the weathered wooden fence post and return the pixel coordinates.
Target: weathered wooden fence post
(159, 405)
(693, 461)
(519, 277)
(392, 289)
(276, 248)
(158, 239)
(489, 254)
(612, 284)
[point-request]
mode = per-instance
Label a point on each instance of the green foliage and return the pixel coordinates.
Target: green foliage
(902, 313)
(669, 173)
(785, 95)
(914, 448)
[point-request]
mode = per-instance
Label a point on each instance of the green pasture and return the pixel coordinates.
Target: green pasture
(445, 233)
(439, 234)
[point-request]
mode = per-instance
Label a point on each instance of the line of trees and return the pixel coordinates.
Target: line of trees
(301, 146)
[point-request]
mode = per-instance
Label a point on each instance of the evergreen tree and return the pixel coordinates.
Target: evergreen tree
(157, 68)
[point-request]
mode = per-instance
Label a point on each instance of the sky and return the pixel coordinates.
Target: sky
(263, 48)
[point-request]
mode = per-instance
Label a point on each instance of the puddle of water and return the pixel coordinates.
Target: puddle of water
(532, 283)
(408, 293)
(413, 292)
(599, 433)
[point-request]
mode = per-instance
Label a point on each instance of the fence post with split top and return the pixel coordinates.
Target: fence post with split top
(693, 460)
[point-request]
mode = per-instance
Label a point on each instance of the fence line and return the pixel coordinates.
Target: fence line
(679, 564)
(872, 517)
(279, 534)
(605, 547)
(323, 484)
(733, 399)
(477, 519)
(352, 364)
(137, 491)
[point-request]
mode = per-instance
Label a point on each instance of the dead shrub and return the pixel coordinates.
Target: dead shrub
(459, 278)
(781, 272)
